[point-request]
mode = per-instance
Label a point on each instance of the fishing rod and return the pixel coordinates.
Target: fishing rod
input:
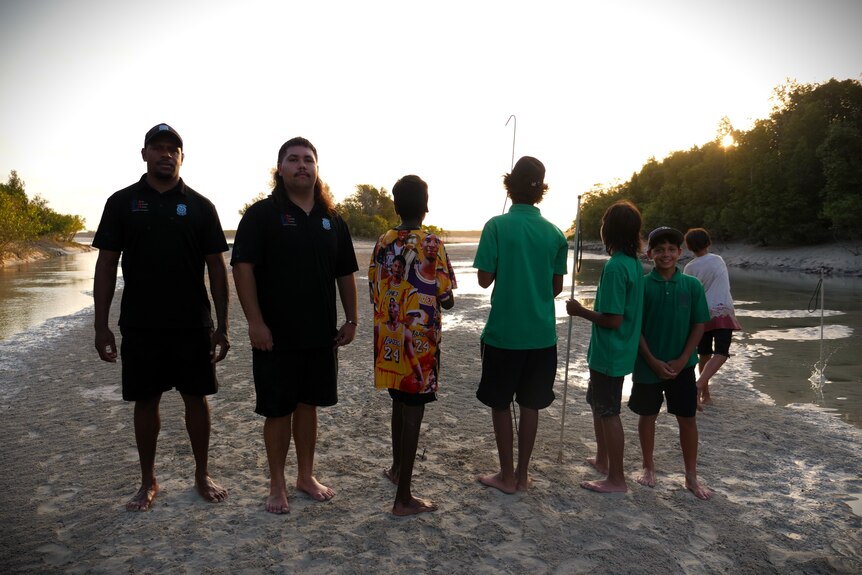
(576, 267)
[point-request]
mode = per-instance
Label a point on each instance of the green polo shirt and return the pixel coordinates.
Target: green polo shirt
(671, 308)
(525, 251)
(620, 292)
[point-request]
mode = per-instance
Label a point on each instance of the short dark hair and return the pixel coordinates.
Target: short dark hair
(621, 228)
(697, 239)
(410, 195)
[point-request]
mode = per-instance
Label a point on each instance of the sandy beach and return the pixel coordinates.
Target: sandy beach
(787, 481)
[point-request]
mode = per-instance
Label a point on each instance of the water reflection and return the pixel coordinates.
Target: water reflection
(35, 292)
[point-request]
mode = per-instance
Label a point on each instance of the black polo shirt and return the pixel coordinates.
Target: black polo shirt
(296, 258)
(164, 239)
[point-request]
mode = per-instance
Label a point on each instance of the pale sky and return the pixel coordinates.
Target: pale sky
(385, 89)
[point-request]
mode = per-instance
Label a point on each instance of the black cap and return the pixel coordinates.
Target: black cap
(160, 129)
(665, 233)
(529, 171)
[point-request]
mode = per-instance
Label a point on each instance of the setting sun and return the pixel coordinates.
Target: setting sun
(727, 141)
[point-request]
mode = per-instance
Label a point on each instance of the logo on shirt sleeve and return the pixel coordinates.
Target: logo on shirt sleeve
(182, 209)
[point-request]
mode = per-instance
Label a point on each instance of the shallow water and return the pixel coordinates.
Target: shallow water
(780, 338)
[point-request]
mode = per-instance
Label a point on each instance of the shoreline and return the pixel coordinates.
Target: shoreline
(40, 250)
(837, 259)
(786, 480)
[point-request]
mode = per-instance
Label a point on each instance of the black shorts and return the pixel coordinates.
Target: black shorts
(681, 394)
(412, 399)
(605, 394)
(527, 375)
(722, 342)
(158, 360)
(283, 379)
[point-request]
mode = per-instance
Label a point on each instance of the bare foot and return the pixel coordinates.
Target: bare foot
(210, 490)
(603, 469)
(315, 489)
(604, 486)
(391, 475)
(143, 499)
(277, 503)
(496, 481)
(647, 477)
(700, 491)
(414, 507)
(524, 485)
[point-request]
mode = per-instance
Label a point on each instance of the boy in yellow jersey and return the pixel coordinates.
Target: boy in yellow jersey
(407, 328)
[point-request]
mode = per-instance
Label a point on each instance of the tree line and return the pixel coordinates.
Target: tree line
(793, 178)
(368, 212)
(23, 219)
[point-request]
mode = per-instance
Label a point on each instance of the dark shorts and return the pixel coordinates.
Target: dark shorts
(605, 394)
(156, 360)
(721, 337)
(681, 394)
(412, 399)
(283, 379)
(527, 375)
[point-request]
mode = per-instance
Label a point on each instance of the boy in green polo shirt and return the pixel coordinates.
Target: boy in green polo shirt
(616, 319)
(524, 256)
(674, 314)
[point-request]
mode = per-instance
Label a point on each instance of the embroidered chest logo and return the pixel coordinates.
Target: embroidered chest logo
(182, 209)
(327, 225)
(288, 220)
(140, 206)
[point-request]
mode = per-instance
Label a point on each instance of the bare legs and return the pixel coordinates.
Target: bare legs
(609, 440)
(147, 426)
(708, 366)
(198, 426)
(147, 420)
(646, 435)
(688, 438)
(510, 478)
(276, 438)
(302, 424)
(406, 423)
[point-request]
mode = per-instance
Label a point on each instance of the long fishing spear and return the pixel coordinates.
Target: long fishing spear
(512, 167)
(576, 267)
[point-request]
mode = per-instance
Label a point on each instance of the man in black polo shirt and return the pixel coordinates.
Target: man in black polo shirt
(167, 233)
(290, 252)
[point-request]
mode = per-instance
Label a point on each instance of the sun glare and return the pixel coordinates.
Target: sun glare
(728, 141)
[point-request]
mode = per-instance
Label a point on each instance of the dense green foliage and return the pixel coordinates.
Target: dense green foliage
(369, 212)
(22, 219)
(794, 178)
